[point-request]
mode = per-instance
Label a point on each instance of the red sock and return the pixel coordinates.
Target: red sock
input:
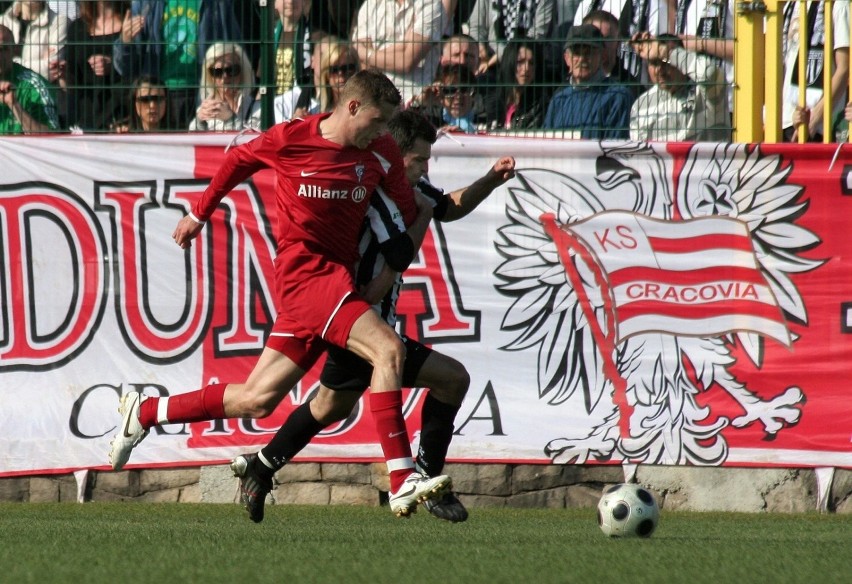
(386, 408)
(204, 404)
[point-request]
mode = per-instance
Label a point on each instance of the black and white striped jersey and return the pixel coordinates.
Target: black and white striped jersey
(383, 222)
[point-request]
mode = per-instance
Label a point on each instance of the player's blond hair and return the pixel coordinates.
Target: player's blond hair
(371, 87)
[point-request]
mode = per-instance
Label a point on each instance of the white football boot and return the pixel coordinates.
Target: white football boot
(417, 488)
(130, 433)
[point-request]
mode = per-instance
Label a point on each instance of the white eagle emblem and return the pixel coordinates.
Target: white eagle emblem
(660, 373)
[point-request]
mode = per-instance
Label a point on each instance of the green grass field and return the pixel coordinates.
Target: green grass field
(165, 543)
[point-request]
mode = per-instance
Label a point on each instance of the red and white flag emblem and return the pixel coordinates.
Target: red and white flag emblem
(696, 278)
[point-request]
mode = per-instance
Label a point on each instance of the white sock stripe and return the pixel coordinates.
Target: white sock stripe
(264, 461)
(163, 411)
(400, 464)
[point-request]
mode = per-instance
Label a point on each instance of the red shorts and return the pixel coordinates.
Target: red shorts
(316, 303)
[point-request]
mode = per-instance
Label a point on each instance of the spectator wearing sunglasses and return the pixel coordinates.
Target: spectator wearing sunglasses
(226, 92)
(167, 39)
(149, 104)
(451, 100)
(333, 61)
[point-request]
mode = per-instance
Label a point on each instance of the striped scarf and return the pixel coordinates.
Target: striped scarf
(514, 17)
(816, 41)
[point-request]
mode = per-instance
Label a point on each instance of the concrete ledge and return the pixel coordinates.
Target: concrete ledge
(486, 485)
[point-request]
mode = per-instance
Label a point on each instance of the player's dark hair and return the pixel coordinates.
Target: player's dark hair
(407, 126)
(372, 87)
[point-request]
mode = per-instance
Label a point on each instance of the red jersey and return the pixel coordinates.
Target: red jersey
(323, 189)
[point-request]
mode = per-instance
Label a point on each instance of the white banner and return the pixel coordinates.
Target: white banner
(97, 301)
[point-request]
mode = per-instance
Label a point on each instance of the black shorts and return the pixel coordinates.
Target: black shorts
(346, 371)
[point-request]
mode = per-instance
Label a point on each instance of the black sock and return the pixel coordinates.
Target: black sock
(436, 432)
(290, 439)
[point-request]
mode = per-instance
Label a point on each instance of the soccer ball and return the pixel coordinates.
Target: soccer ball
(627, 510)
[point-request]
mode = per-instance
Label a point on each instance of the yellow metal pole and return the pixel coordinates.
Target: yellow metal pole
(804, 45)
(748, 73)
(774, 64)
(827, 74)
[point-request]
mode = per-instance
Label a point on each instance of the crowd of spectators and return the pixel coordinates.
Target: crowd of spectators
(601, 69)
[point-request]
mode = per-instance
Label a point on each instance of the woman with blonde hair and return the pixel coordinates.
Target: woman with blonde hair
(227, 90)
(334, 61)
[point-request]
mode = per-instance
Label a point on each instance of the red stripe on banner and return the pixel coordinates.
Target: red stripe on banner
(698, 311)
(700, 243)
(564, 241)
(687, 277)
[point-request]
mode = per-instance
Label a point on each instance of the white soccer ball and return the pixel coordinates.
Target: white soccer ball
(627, 510)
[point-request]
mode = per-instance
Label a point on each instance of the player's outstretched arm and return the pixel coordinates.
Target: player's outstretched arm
(187, 229)
(465, 200)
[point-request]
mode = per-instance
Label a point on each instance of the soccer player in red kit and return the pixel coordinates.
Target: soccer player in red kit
(327, 167)
(345, 376)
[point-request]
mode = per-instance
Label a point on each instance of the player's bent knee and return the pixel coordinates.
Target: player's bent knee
(397, 348)
(389, 352)
(453, 385)
(456, 377)
(460, 381)
(451, 392)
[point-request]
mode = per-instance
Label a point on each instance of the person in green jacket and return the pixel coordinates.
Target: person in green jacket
(26, 99)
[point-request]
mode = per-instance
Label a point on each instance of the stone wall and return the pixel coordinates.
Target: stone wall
(492, 485)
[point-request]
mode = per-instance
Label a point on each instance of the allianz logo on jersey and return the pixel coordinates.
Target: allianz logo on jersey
(358, 194)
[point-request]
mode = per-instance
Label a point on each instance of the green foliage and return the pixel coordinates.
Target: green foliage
(115, 543)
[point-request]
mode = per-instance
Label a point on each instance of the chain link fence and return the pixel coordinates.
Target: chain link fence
(600, 69)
